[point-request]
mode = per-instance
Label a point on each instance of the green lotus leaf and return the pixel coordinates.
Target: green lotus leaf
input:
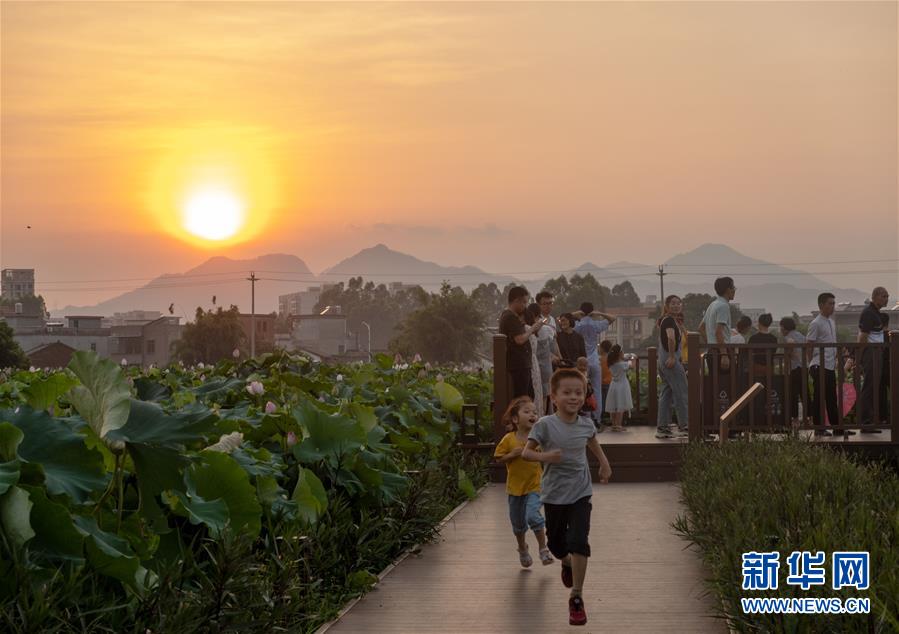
(55, 532)
(111, 555)
(148, 424)
(310, 496)
(10, 438)
(15, 514)
(384, 361)
(219, 387)
(104, 397)
(150, 390)
(274, 498)
(212, 513)
(43, 393)
(450, 398)
(218, 475)
(364, 415)
(327, 437)
(57, 455)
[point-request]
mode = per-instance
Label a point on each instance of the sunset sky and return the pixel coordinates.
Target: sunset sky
(514, 137)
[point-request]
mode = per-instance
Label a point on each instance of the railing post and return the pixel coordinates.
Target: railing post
(894, 387)
(652, 384)
(694, 385)
(501, 387)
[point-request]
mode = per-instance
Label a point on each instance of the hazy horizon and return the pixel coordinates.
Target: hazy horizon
(511, 137)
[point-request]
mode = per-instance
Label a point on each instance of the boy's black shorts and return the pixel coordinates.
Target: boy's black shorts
(567, 527)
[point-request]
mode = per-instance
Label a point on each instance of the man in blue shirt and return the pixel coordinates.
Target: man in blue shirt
(591, 323)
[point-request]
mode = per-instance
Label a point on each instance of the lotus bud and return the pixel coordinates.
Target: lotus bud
(339, 378)
(255, 387)
(428, 365)
(201, 365)
(422, 373)
(416, 358)
(291, 439)
(236, 353)
(202, 377)
(32, 369)
(440, 378)
(270, 408)
(397, 359)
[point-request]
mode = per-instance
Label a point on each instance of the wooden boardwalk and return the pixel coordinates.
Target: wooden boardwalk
(641, 577)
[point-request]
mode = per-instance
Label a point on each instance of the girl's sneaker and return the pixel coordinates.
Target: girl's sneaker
(546, 557)
(525, 558)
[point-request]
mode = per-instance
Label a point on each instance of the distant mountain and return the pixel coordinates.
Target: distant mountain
(711, 260)
(220, 276)
(778, 289)
(380, 264)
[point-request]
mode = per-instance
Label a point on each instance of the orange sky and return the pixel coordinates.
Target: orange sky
(515, 137)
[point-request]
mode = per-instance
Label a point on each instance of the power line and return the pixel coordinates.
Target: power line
(176, 281)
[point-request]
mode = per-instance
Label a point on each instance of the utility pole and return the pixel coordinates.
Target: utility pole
(662, 275)
(252, 279)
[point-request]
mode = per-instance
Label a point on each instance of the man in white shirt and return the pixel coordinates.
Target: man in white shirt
(823, 329)
(716, 321)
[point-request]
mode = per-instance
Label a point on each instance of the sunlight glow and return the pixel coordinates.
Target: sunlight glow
(213, 214)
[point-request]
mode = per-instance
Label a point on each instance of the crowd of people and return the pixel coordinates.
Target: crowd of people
(539, 344)
(562, 376)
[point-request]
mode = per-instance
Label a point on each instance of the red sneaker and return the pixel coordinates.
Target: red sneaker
(576, 613)
(567, 578)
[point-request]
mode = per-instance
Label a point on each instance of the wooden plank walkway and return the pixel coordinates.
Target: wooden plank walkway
(641, 578)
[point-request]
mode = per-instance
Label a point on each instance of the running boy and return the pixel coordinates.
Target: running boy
(566, 488)
(522, 480)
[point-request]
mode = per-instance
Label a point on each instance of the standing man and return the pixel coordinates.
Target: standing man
(870, 330)
(518, 346)
(716, 321)
(591, 323)
(823, 329)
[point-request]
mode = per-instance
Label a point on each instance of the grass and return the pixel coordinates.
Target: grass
(790, 496)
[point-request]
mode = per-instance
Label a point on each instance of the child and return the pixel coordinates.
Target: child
(566, 487)
(522, 480)
(589, 408)
(604, 346)
(620, 400)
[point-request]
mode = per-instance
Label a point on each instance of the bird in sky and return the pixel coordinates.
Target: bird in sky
(213, 300)
(172, 308)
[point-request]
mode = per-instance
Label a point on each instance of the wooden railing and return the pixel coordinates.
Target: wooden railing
(732, 411)
(712, 389)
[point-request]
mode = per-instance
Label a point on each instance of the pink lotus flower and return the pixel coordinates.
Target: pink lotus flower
(416, 358)
(270, 408)
(291, 439)
(255, 387)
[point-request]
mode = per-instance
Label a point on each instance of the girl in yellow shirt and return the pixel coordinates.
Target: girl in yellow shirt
(522, 480)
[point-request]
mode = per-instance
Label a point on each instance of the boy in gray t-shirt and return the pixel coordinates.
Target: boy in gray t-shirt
(566, 487)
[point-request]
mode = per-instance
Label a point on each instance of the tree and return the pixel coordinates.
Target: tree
(448, 329)
(490, 301)
(212, 336)
(11, 354)
(570, 294)
(374, 304)
(623, 295)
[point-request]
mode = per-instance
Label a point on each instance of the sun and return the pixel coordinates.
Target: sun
(213, 214)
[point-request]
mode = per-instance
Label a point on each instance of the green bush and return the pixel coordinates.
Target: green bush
(790, 496)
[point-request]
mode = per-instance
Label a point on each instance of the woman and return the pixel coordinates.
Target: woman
(671, 370)
(541, 357)
(571, 343)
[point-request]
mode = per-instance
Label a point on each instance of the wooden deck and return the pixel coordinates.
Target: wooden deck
(641, 578)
